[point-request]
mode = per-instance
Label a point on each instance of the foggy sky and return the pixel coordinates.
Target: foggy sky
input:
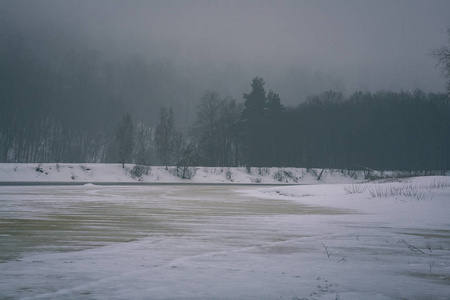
(308, 45)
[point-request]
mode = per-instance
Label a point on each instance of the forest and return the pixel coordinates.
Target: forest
(382, 131)
(81, 107)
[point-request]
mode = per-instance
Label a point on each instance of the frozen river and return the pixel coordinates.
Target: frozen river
(209, 242)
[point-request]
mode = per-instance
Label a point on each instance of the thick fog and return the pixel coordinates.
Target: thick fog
(79, 78)
(298, 47)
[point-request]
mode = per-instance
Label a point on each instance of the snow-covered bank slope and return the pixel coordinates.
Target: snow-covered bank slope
(115, 173)
(52, 172)
(415, 200)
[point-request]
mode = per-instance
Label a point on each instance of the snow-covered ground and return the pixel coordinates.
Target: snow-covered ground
(378, 240)
(115, 173)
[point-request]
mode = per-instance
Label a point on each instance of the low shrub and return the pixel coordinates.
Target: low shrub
(139, 170)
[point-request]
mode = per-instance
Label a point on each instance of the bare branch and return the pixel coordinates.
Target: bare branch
(412, 248)
(326, 250)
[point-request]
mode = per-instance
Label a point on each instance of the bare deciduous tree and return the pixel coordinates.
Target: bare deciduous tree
(215, 131)
(165, 135)
(144, 145)
(442, 56)
(205, 128)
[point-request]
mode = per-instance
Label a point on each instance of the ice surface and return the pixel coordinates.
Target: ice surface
(225, 242)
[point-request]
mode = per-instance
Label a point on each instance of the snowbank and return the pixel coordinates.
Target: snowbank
(85, 173)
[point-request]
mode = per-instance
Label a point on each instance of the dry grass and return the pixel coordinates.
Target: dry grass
(439, 184)
(355, 188)
(402, 189)
(407, 190)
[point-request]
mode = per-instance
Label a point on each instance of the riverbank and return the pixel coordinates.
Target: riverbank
(53, 173)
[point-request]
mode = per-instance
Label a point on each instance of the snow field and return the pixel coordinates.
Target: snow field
(330, 241)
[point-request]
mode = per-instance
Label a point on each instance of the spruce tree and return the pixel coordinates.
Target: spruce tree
(252, 124)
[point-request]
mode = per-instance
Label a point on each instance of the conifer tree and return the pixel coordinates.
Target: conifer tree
(252, 124)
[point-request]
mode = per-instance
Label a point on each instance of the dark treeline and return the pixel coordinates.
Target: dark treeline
(383, 131)
(72, 110)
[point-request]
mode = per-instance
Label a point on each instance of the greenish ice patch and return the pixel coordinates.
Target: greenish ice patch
(61, 219)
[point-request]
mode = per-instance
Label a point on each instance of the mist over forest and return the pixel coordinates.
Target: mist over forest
(336, 84)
